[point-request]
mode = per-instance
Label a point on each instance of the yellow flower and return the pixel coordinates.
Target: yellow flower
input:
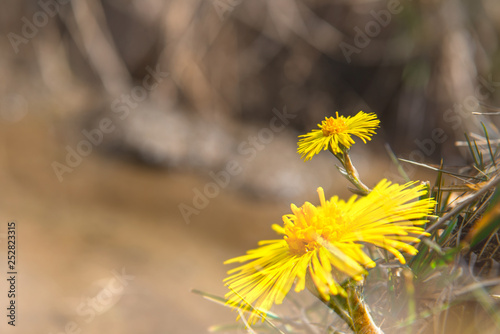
(325, 244)
(336, 134)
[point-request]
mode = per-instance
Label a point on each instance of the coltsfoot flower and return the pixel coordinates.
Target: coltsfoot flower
(325, 243)
(335, 134)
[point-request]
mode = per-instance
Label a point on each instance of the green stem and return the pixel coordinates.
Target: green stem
(351, 309)
(339, 305)
(336, 303)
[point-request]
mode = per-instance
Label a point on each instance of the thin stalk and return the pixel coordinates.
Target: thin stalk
(353, 176)
(350, 172)
(361, 318)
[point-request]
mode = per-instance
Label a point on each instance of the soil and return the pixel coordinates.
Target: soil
(109, 218)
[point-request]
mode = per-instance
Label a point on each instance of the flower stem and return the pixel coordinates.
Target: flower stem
(351, 309)
(361, 318)
(353, 176)
(350, 172)
(337, 303)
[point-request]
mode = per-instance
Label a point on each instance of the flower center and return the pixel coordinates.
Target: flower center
(310, 226)
(332, 126)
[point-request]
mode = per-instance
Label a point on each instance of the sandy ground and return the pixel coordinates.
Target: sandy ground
(110, 219)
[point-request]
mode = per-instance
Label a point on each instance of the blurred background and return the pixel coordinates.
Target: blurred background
(145, 142)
